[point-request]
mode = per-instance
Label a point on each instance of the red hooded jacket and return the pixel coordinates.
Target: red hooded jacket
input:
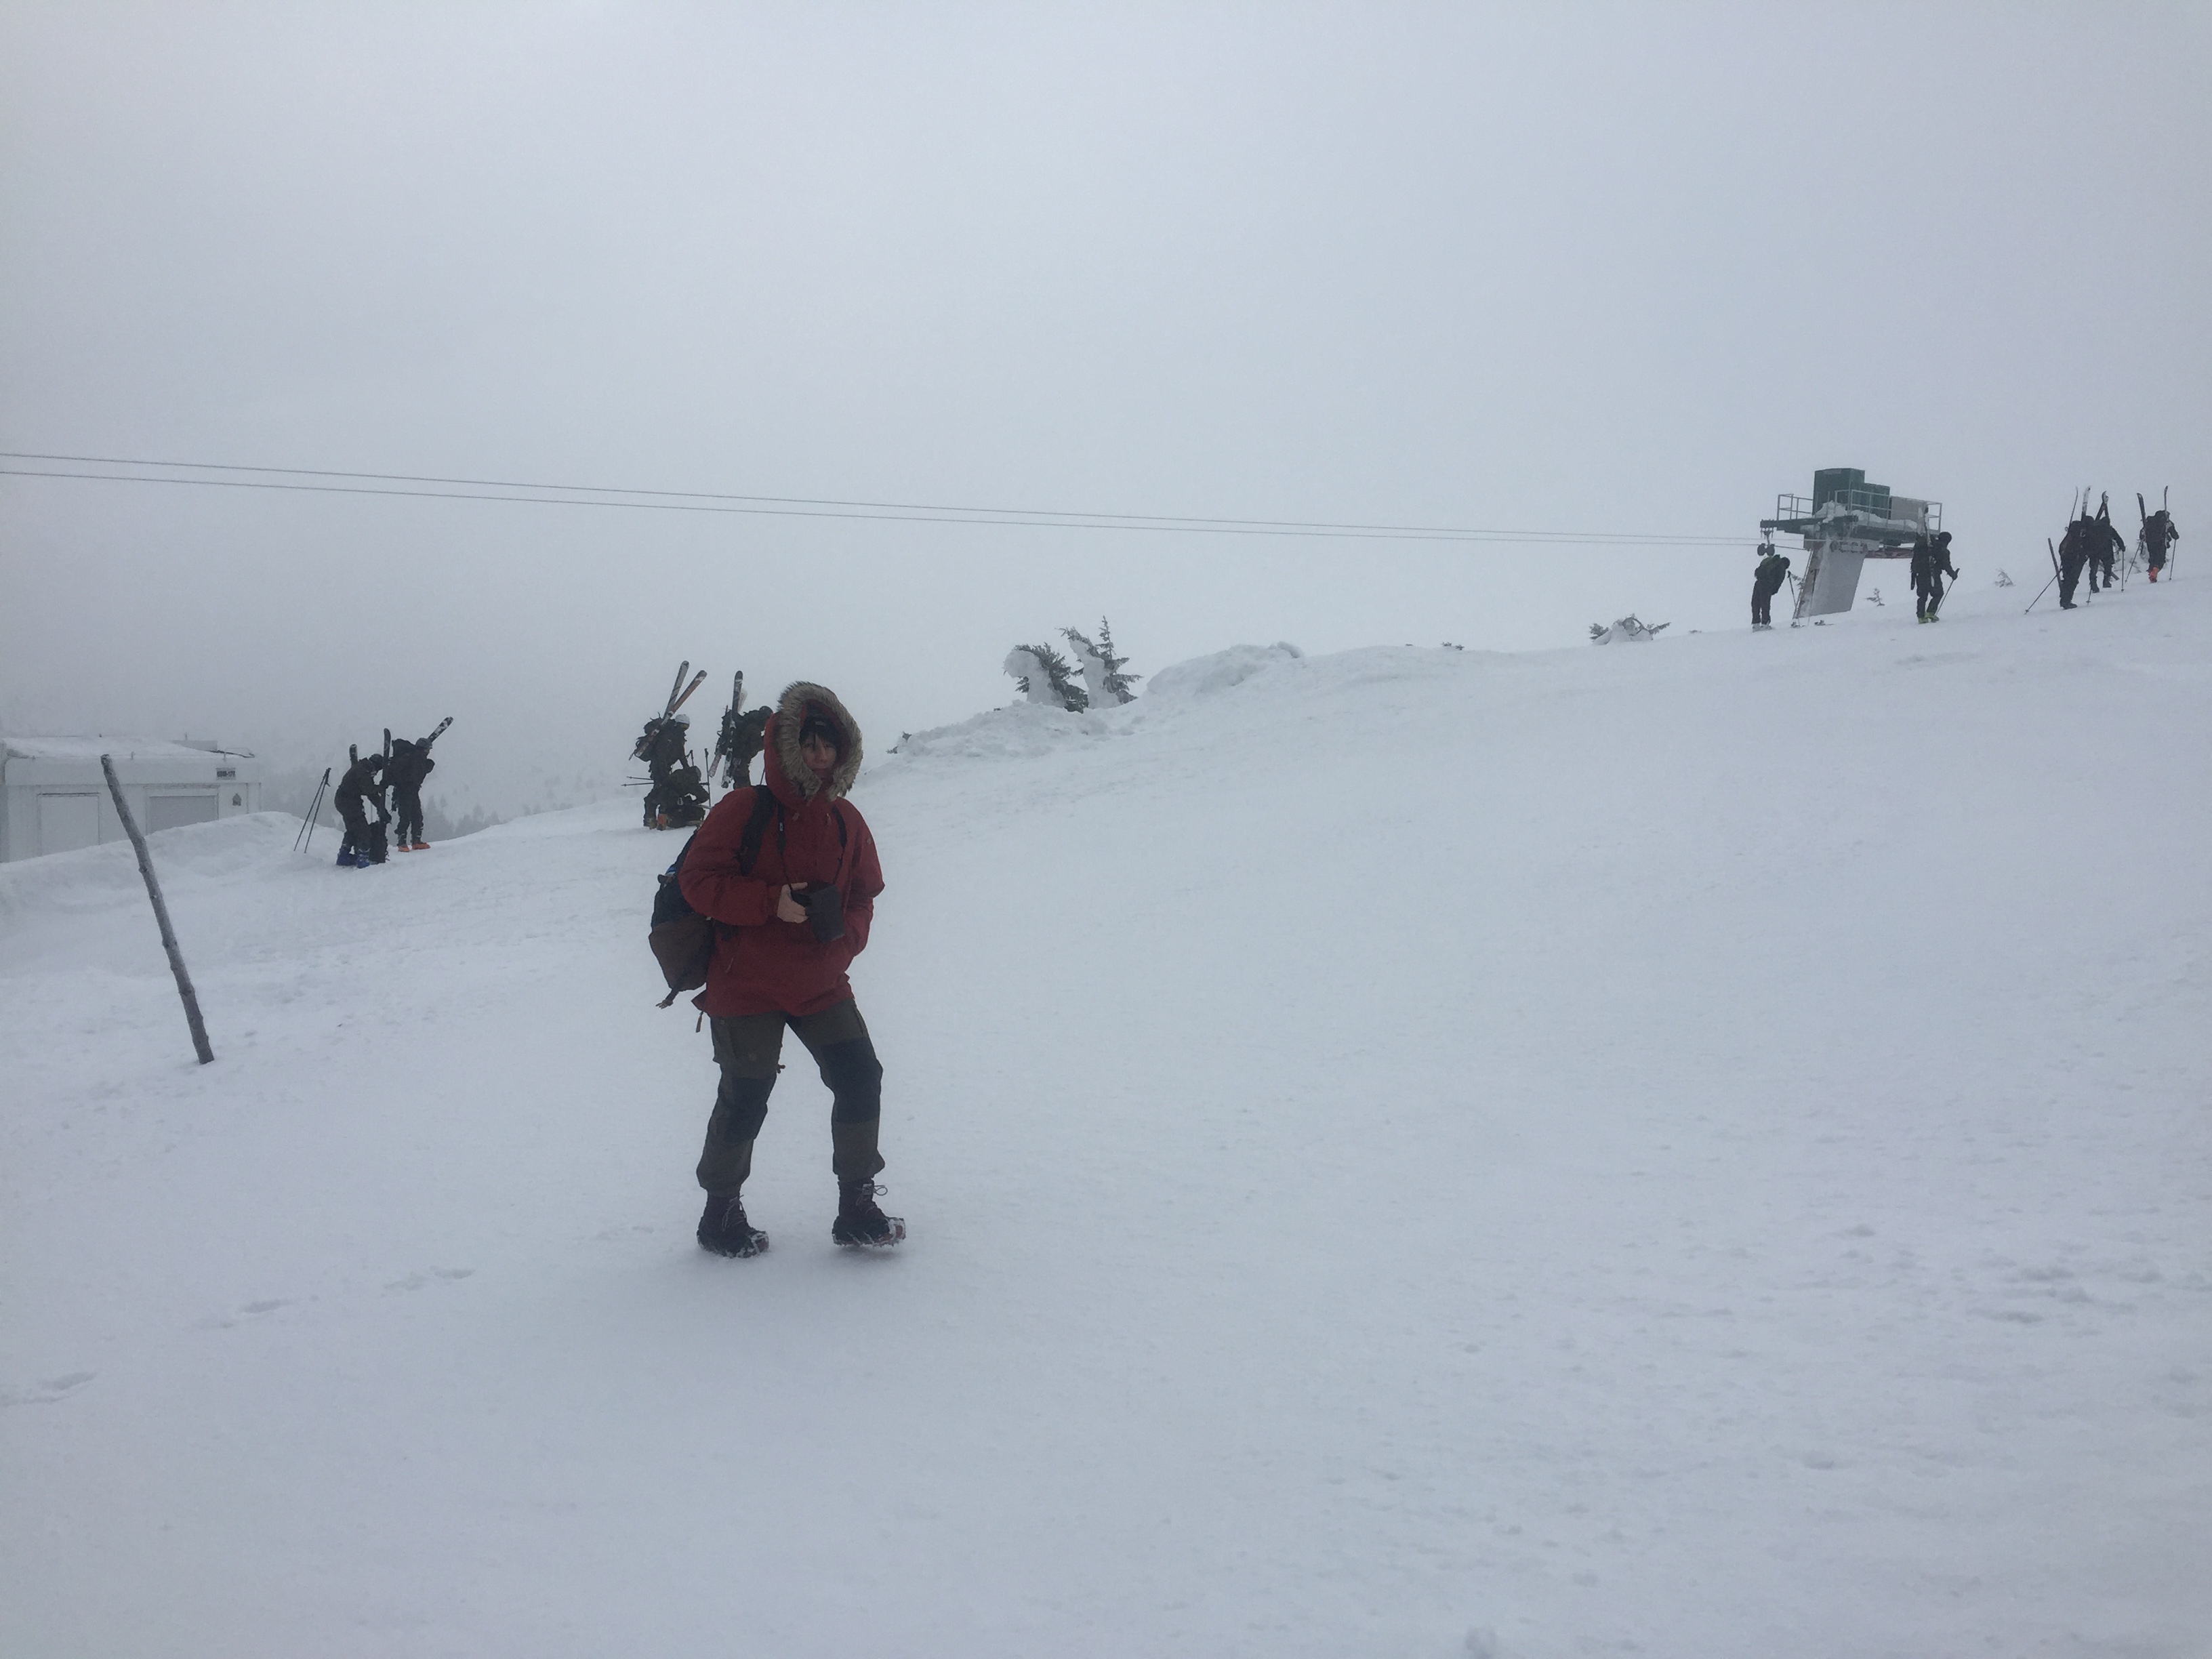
(761, 964)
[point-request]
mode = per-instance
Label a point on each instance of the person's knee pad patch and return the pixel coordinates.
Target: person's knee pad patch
(855, 1076)
(741, 1107)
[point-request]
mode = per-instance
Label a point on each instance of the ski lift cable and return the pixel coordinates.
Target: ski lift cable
(807, 501)
(374, 483)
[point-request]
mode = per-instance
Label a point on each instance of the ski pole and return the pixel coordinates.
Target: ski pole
(306, 837)
(2045, 589)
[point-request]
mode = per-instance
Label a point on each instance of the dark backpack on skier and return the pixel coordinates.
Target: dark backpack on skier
(683, 941)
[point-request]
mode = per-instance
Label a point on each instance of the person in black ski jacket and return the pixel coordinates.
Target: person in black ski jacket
(662, 749)
(361, 788)
(2159, 537)
(1766, 583)
(1931, 562)
(2073, 553)
(410, 766)
(2101, 544)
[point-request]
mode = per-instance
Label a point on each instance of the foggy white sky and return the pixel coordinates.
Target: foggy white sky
(1609, 268)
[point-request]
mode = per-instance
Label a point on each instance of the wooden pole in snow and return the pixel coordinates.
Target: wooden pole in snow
(162, 915)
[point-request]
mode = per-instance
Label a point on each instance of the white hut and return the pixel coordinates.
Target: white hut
(53, 797)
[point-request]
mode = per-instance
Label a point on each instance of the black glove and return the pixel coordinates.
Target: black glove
(825, 913)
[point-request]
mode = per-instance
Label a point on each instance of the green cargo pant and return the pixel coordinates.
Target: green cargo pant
(749, 1047)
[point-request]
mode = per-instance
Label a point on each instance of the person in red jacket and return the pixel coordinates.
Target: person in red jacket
(792, 882)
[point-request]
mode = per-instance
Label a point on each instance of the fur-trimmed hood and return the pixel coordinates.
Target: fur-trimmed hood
(800, 699)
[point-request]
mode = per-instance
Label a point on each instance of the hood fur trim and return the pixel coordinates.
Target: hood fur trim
(783, 733)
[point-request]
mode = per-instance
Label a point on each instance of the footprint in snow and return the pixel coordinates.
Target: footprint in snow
(416, 1281)
(243, 1311)
(46, 1391)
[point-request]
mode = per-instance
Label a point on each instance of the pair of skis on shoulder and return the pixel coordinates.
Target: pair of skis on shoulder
(353, 750)
(679, 694)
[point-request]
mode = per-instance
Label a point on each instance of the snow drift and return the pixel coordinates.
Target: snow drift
(1699, 1152)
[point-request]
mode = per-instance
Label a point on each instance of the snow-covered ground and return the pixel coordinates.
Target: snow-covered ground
(1692, 1148)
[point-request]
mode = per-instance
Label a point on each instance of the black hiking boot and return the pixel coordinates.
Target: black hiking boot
(861, 1224)
(724, 1230)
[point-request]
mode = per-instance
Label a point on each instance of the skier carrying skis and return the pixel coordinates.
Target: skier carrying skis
(2105, 545)
(2073, 553)
(410, 765)
(1766, 583)
(788, 868)
(360, 787)
(1931, 562)
(662, 749)
(741, 737)
(2159, 537)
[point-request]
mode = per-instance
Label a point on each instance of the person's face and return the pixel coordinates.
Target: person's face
(820, 755)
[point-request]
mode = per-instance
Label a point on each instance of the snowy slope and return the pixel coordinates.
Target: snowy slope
(1695, 1149)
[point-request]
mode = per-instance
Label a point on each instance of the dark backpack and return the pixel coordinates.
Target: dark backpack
(683, 941)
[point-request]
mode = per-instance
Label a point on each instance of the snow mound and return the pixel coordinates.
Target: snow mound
(95, 876)
(1202, 677)
(1018, 732)
(1026, 730)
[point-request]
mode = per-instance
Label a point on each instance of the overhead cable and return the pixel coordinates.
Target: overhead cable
(325, 480)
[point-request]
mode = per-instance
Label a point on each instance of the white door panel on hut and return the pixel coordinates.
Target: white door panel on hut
(172, 812)
(68, 821)
(166, 784)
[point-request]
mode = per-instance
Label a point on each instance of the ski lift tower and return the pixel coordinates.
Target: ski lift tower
(1845, 522)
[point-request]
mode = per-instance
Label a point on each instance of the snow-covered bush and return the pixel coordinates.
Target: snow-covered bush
(1628, 628)
(1042, 675)
(1102, 667)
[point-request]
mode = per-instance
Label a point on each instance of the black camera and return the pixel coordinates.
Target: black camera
(825, 912)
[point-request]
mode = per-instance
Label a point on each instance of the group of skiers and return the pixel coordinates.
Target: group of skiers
(678, 798)
(680, 793)
(398, 771)
(1931, 563)
(2093, 544)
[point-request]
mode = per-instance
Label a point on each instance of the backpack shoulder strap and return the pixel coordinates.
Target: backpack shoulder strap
(748, 844)
(675, 869)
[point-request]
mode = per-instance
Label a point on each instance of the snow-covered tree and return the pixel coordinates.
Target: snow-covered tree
(1042, 675)
(1094, 669)
(1102, 666)
(1628, 628)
